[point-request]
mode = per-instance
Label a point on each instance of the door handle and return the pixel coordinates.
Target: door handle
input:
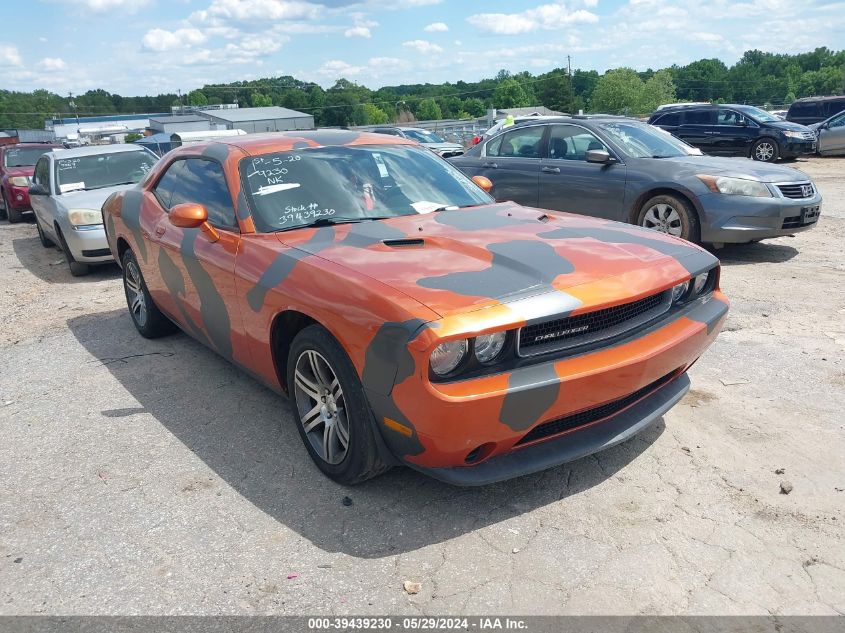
(160, 231)
(490, 165)
(551, 170)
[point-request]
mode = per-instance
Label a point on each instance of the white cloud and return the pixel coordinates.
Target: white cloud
(336, 68)
(263, 10)
(358, 31)
(545, 16)
(9, 55)
(422, 46)
(51, 64)
(701, 36)
(162, 40)
(100, 6)
(436, 27)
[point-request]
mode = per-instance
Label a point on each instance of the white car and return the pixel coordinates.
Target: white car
(68, 190)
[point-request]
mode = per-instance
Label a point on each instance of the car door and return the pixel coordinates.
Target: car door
(698, 128)
(567, 182)
(44, 206)
(734, 133)
(197, 271)
(512, 163)
(832, 136)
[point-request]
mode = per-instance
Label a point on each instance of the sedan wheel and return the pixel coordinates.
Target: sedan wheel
(148, 319)
(135, 294)
(321, 407)
(671, 215)
(663, 218)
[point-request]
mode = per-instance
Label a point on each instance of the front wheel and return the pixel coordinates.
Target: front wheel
(46, 242)
(13, 215)
(148, 319)
(333, 415)
(669, 214)
(765, 150)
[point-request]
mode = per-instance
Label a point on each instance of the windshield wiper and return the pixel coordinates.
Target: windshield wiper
(333, 221)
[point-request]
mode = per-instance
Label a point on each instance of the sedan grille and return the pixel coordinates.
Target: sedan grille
(583, 418)
(798, 190)
(590, 327)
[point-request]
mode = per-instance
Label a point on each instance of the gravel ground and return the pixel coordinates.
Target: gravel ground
(151, 477)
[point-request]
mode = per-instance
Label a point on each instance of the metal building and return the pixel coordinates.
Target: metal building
(270, 119)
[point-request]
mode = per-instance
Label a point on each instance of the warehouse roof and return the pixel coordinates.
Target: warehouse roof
(255, 114)
(179, 118)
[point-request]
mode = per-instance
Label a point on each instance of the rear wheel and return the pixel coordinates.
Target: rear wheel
(669, 214)
(148, 319)
(333, 415)
(765, 150)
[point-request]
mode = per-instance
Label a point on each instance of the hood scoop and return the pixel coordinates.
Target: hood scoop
(404, 242)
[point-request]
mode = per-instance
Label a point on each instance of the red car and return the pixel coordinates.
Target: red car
(17, 164)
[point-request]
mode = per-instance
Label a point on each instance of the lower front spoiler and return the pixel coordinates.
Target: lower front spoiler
(570, 447)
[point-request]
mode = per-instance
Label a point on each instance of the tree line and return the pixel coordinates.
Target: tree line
(759, 78)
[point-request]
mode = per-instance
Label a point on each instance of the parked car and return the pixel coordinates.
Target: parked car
(500, 125)
(625, 170)
(409, 318)
(68, 189)
(425, 138)
(736, 130)
(831, 135)
(17, 163)
(815, 109)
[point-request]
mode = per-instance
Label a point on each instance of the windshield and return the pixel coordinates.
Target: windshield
(103, 170)
(23, 157)
(422, 136)
(645, 141)
(757, 114)
(297, 188)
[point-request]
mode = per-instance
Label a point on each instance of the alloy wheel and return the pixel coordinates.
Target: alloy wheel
(764, 151)
(321, 406)
(664, 218)
(135, 294)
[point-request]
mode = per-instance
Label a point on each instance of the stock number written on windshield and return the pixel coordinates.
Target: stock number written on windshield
(271, 169)
(304, 214)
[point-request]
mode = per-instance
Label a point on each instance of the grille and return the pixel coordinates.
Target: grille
(584, 328)
(809, 136)
(798, 190)
(570, 422)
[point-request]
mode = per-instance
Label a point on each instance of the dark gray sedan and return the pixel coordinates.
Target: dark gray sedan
(622, 169)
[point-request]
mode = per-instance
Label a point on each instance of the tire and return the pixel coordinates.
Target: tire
(77, 269)
(12, 215)
(148, 319)
(46, 242)
(765, 150)
(670, 214)
(2, 205)
(326, 394)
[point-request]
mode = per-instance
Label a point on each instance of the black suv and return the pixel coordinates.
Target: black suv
(811, 110)
(736, 130)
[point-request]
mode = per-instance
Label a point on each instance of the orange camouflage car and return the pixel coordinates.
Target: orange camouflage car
(409, 317)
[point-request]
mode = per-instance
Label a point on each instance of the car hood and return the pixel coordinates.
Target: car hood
(442, 146)
(93, 199)
(738, 168)
(787, 125)
(815, 126)
(25, 170)
(469, 259)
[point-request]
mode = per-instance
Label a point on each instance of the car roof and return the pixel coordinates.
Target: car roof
(96, 150)
(23, 145)
(580, 118)
(301, 139)
(827, 98)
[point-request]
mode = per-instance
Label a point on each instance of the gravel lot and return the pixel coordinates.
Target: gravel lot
(145, 477)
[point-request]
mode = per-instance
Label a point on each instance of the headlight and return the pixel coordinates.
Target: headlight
(489, 346)
(794, 134)
(696, 287)
(19, 181)
(85, 217)
(679, 291)
(447, 356)
(698, 283)
(736, 186)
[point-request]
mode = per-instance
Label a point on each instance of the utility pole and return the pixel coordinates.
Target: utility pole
(72, 104)
(569, 71)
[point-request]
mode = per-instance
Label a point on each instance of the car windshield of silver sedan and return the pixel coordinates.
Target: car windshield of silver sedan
(103, 170)
(24, 157)
(643, 141)
(331, 185)
(421, 136)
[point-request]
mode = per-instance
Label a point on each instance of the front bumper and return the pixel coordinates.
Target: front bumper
(88, 245)
(18, 197)
(500, 415)
(740, 219)
(792, 149)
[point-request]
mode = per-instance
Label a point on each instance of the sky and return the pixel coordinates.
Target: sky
(138, 47)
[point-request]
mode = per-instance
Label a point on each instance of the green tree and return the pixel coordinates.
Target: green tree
(428, 110)
(197, 98)
(618, 91)
(509, 94)
(260, 100)
(474, 107)
(657, 90)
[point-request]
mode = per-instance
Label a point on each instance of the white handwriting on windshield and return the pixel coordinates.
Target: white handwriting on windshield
(304, 214)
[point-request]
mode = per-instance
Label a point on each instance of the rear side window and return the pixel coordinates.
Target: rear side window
(42, 172)
(700, 117)
(518, 143)
(198, 181)
(834, 106)
(672, 118)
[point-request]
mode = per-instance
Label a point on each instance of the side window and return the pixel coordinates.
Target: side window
(570, 142)
(700, 117)
(168, 183)
(729, 117)
(839, 121)
(203, 182)
(672, 118)
(519, 143)
(41, 176)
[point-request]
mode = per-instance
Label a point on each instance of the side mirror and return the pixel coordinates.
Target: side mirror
(598, 156)
(483, 182)
(192, 216)
(38, 190)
